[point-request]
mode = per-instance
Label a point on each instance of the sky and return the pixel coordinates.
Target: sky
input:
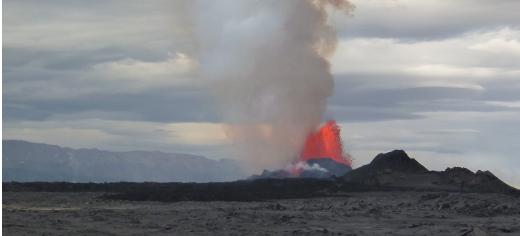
(439, 79)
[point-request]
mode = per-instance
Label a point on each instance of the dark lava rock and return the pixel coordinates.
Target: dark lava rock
(327, 168)
(396, 169)
(467, 181)
(277, 207)
(333, 168)
(275, 174)
(387, 167)
(396, 160)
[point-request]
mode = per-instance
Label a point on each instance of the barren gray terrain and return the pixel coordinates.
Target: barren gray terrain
(366, 213)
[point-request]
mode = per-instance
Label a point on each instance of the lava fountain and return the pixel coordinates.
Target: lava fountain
(322, 156)
(325, 143)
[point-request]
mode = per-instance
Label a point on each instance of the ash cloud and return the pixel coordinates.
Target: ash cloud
(268, 64)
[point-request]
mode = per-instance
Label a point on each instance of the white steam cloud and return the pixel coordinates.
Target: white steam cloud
(305, 167)
(268, 63)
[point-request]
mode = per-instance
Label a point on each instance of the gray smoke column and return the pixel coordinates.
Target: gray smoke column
(268, 66)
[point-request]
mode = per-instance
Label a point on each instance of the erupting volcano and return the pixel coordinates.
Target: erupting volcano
(268, 64)
(322, 156)
(325, 143)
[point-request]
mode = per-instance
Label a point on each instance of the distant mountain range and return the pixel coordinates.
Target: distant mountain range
(25, 161)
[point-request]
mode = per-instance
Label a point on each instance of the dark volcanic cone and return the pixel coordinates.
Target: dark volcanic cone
(397, 169)
(396, 160)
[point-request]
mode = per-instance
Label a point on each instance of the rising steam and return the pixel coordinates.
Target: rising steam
(267, 61)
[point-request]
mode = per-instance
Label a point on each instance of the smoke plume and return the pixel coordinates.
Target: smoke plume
(268, 63)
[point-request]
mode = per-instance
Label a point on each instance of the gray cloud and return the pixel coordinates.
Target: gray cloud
(162, 105)
(51, 52)
(38, 78)
(427, 20)
(355, 102)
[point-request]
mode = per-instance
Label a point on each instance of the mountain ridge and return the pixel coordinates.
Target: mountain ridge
(28, 161)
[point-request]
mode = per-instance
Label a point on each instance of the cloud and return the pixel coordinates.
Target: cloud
(93, 25)
(387, 79)
(354, 102)
(158, 104)
(461, 56)
(87, 59)
(425, 20)
(176, 70)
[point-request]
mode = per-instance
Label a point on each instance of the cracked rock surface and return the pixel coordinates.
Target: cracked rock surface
(363, 213)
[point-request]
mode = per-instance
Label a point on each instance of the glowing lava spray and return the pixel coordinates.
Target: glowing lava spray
(325, 143)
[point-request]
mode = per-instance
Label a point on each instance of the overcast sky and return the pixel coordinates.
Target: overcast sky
(439, 79)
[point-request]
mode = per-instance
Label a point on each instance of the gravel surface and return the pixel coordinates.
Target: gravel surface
(366, 213)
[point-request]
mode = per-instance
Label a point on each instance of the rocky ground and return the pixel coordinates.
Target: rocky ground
(364, 213)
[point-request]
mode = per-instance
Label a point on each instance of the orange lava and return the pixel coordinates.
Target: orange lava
(325, 143)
